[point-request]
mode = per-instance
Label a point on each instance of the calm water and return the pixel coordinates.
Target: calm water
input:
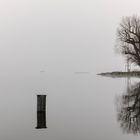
(79, 107)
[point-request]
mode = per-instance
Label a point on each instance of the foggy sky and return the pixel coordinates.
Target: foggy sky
(61, 36)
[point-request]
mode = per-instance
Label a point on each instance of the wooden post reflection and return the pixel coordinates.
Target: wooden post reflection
(41, 111)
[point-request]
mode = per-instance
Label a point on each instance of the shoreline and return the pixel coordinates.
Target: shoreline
(121, 74)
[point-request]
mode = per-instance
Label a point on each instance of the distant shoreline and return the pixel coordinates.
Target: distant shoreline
(121, 74)
(80, 72)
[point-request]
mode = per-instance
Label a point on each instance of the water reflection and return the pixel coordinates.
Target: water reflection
(41, 119)
(128, 108)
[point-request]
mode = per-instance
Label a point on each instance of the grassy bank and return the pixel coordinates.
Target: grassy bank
(121, 74)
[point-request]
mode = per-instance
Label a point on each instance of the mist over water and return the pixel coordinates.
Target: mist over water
(81, 106)
(56, 48)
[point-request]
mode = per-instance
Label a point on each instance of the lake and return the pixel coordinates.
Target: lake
(79, 107)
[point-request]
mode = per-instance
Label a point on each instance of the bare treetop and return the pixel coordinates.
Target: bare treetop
(128, 37)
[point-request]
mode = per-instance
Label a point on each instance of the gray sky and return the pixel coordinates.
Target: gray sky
(61, 36)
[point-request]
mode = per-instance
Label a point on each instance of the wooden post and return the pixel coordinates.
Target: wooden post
(41, 111)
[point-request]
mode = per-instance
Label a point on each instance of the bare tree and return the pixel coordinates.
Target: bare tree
(128, 38)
